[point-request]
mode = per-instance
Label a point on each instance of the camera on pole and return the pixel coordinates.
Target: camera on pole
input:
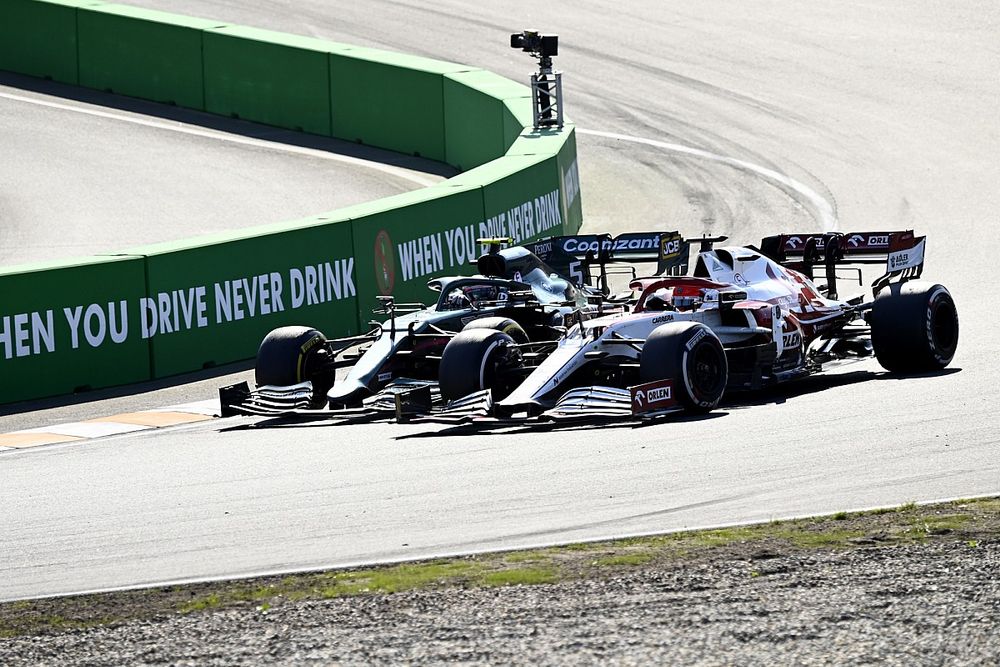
(546, 84)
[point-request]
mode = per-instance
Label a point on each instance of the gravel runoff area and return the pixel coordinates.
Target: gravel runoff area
(916, 585)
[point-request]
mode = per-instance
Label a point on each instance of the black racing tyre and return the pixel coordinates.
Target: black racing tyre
(914, 327)
(290, 355)
(504, 324)
(475, 360)
(690, 354)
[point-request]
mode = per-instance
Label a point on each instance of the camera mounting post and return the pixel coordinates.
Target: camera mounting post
(546, 83)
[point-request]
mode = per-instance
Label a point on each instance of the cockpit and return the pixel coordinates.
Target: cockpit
(473, 296)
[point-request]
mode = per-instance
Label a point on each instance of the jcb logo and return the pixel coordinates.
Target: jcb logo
(670, 247)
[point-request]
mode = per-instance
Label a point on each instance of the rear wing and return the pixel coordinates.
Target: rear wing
(573, 256)
(902, 253)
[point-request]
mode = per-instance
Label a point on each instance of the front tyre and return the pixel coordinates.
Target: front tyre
(914, 327)
(690, 354)
(478, 359)
(504, 324)
(290, 355)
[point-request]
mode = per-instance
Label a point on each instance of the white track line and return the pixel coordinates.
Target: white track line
(87, 430)
(827, 214)
(398, 172)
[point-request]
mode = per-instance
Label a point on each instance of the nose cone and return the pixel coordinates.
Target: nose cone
(506, 410)
(348, 392)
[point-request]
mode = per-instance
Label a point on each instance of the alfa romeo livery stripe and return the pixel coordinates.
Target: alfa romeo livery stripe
(127, 422)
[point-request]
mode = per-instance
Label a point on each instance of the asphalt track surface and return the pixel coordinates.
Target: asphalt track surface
(886, 114)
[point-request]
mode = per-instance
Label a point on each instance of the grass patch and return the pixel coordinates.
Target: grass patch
(811, 539)
(937, 524)
(624, 560)
(522, 557)
(721, 536)
(968, 523)
(400, 578)
(210, 601)
(527, 576)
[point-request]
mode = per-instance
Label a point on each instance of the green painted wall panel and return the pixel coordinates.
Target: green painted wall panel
(39, 38)
(474, 116)
(569, 174)
(47, 308)
(401, 242)
(563, 144)
(521, 196)
(220, 297)
(269, 77)
(143, 53)
(390, 101)
(516, 117)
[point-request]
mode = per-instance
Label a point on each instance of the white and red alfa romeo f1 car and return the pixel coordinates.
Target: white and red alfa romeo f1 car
(745, 318)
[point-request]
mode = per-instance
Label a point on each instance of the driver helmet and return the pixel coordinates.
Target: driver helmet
(659, 300)
(479, 293)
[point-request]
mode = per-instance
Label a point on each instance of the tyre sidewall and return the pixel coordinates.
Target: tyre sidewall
(470, 360)
(911, 324)
(503, 324)
(283, 355)
(674, 350)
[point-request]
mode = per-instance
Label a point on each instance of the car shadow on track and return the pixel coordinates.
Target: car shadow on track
(507, 428)
(733, 401)
(816, 383)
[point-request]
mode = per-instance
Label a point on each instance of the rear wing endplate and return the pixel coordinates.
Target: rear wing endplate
(901, 252)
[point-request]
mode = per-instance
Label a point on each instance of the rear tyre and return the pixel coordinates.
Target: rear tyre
(504, 324)
(477, 359)
(914, 327)
(290, 355)
(690, 354)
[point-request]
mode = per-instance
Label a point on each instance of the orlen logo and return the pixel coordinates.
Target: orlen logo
(661, 394)
(873, 241)
(651, 396)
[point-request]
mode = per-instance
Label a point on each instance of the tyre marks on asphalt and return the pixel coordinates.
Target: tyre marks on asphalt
(822, 208)
(127, 422)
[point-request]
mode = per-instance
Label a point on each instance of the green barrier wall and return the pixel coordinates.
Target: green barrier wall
(516, 117)
(142, 53)
(561, 143)
(213, 299)
(390, 101)
(70, 325)
(269, 77)
(521, 197)
(38, 38)
(474, 115)
(189, 303)
(401, 242)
